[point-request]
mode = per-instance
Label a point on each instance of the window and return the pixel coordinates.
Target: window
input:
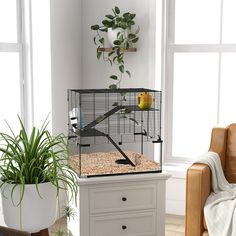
(25, 62)
(199, 73)
(11, 89)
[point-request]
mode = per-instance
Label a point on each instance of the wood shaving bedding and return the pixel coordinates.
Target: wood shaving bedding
(104, 163)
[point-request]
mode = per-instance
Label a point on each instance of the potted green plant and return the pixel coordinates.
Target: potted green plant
(122, 36)
(33, 171)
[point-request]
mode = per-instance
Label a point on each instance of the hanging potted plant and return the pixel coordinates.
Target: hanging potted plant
(33, 171)
(122, 35)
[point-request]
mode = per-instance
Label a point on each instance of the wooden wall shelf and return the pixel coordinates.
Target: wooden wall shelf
(122, 50)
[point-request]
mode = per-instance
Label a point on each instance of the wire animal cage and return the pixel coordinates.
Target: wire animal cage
(103, 123)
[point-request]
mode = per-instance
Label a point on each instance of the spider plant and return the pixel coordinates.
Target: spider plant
(35, 158)
(60, 233)
(70, 212)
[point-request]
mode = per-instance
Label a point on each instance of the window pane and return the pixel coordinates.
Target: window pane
(228, 86)
(9, 90)
(229, 19)
(194, 102)
(8, 23)
(197, 21)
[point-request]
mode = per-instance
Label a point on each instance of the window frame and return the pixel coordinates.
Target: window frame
(23, 48)
(169, 50)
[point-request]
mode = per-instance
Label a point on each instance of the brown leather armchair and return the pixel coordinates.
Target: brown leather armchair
(198, 182)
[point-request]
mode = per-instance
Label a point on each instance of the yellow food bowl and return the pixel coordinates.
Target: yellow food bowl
(145, 100)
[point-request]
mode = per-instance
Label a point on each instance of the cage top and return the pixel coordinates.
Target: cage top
(123, 90)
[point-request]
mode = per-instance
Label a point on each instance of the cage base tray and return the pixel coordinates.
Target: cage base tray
(112, 163)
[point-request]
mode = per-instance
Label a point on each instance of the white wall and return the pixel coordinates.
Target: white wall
(176, 189)
(66, 22)
(66, 61)
(141, 64)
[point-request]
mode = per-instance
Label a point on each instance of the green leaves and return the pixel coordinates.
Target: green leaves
(131, 36)
(113, 77)
(135, 40)
(122, 68)
(95, 27)
(99, 54)
(134, 120)
(117, 10)
(111, 17)
(113, 86)
(106, 22)
(101, 40)
(128, 73)
(115, 103)
(35, 158)
(126, 38)
(117, 42)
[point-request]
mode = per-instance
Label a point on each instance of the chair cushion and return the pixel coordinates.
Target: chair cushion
(230, 160)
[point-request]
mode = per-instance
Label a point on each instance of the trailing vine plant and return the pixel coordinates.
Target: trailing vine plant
(126, 38)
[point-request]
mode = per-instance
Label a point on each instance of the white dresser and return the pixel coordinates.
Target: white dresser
(125, 205)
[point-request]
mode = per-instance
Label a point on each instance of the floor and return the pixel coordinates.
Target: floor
(174, 226)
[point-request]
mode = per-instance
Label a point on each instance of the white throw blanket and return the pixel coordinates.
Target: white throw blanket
(220, 207)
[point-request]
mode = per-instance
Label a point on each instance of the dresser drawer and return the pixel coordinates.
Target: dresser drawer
(140, 224)
(125, 198)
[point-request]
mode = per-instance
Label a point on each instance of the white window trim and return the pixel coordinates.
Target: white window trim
(27, 62)
(169, 49)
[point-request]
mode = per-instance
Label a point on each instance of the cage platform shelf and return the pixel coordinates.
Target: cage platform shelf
(107, 119)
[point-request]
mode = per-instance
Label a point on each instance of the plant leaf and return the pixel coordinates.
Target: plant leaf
(113, 86)
(129, 74)
(95, 27)
(126, 15)
(101, 40)
(134, 120)
(111, 17)
(127, 110)
(115, 104)
(132, 16)
(117, 10)
(131, 36)
(118, 34)
(110, 53)
(115, 58)
(94, 40)
(110, 61)
(122, 68)
(103, 29)
(99, 54)
(137, 30)
(113, 77)
(135, 40)
(106, 23)
(117, 42)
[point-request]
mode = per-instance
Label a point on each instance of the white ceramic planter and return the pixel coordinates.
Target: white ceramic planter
(112, 35)
(37, 213)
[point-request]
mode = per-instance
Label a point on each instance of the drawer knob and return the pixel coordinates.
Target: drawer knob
(124, 199)
(124, 227)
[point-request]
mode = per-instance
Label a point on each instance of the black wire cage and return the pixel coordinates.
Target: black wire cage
(109, 128)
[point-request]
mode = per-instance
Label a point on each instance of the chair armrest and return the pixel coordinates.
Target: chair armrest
(218, 143)
(198, 188)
